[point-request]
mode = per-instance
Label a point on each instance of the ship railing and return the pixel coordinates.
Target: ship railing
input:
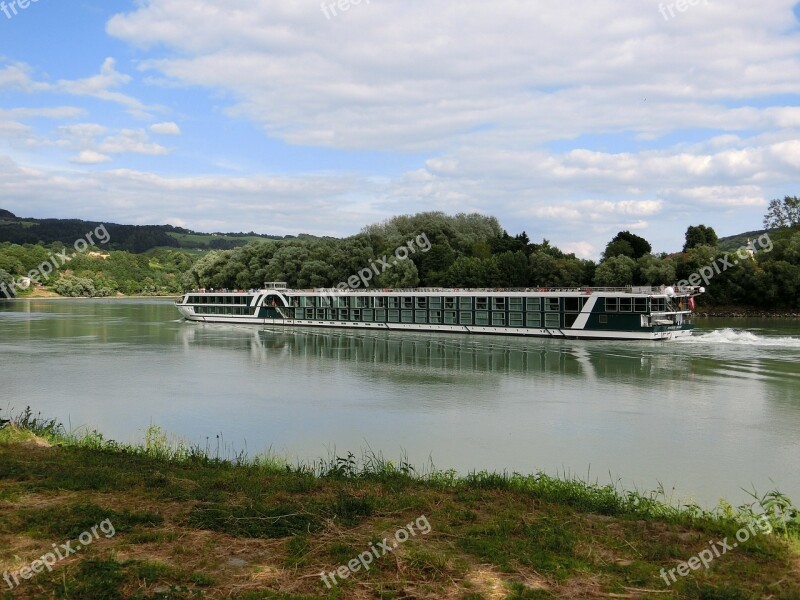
(580, 290)
(630, 289)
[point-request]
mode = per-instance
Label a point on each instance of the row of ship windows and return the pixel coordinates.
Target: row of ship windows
(617, 304)
(242, 300)
(437, 317)
(435, 302)
(223, 310)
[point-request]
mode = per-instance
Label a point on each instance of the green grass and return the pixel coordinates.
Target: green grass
(191, 523)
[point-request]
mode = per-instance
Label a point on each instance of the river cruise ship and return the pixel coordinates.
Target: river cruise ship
(635, 313)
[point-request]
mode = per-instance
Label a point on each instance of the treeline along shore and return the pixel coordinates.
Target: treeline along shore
(757, 272)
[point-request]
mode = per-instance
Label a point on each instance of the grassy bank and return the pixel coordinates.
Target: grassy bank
(187, 524)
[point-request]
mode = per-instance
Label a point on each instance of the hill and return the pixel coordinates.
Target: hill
(133, 238)
(732, 243)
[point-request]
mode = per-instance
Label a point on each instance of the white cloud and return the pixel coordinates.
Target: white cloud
(101, 86)
(169, 128)
(580, 249)
(131, 140)
(90, 157)
(383, 77)
(17, 76)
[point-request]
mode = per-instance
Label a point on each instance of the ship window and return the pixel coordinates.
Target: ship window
(465, 302)
(603, 319)
(340, 302)
(368, 315)
(309, 313)
(625, 304)
(498, 318)
(332, 314)
(408, 302)
(356, 312)
(659, 304)
(552, 320)
(394, 302)
(380, 315)
(572, 305)
(450, 302)
(436, 316)
(515, 319)
(344, 315)
(552, 304)
(533, 304)
(481, 317)
(422, 302)
(436, 302)
(380, 302)
(320, 314)
(407, 316)
(498, 303)
(450, 317)
(515, 303)
(356, 302)
(420, 316)
(612, 305)
(640, 305)
(533, 320)
(481, 303)
(466, 318)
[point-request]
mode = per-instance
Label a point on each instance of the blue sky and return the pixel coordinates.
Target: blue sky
(570, 121)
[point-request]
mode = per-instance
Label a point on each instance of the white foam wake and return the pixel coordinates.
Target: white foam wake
(741, 338)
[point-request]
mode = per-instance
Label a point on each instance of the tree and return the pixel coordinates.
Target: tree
(653, 270)
(627, 244)
(783, 213)
(509, 269)
(543, 269)
(616, 271)
(466, 271)
(75, 287)
(402, 274)
(700, 236)
(6, 279)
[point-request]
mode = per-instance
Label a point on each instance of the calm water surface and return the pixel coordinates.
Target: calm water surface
(707, 417)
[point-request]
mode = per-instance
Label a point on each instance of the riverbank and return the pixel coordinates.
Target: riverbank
(186, 524)
(745, 312)
(45, 294)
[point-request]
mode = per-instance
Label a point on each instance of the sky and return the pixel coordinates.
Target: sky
(568, 119)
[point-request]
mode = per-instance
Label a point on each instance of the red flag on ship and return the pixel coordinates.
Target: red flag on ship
(691, 303)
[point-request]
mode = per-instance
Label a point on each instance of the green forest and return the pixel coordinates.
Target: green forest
(466, 250)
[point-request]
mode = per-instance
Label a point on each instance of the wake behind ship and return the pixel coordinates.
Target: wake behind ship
(636, 313)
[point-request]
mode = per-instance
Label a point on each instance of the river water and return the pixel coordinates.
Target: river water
(703, 418)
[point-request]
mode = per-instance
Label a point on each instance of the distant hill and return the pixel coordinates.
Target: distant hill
(734, 242)
(133, 238)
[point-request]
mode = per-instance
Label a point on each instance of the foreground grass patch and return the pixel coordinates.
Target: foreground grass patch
(190, 526)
